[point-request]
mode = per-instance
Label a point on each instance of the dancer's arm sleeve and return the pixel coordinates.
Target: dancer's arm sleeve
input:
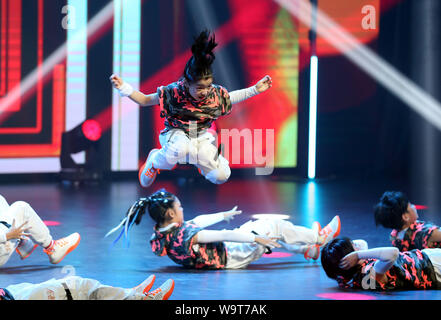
(243, 94)
(386, 258)
(207, 236)
(360, 244)
(206, 220)
(144, 100)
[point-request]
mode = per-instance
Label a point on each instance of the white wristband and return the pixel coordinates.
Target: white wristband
(125, 90)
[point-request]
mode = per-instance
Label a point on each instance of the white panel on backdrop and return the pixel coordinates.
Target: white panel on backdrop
(76, 68)
(126, 64)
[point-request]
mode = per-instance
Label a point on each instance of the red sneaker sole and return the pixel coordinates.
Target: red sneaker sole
(169, 291)
(22, 258)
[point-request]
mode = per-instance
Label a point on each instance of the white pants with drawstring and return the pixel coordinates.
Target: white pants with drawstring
(80, 289)
(179, 148)
(21, 212)
(239, 255)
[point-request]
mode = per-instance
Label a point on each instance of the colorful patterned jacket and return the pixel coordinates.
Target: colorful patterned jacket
(177, 243)
(179, 108)
(416, 237)
(412, 270)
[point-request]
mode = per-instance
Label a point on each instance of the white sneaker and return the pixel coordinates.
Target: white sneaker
(62, 247)
(331, 231)
(313, 251)
(25, 248)
(145, 286)
(147, 174)
(163, 292)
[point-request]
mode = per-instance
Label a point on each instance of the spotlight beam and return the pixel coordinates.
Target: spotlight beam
(98, 21)
(367, 60)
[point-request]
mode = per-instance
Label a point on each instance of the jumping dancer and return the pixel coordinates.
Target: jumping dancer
(78, 288)
(189, 107)
(395, 211)
(188, 243)
(381, 268)
(22, 230)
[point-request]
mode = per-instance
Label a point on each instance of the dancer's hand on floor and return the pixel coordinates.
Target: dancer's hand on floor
(17, 232)
(268, 242)
(117, 82)
(264, 84)
(229, 215)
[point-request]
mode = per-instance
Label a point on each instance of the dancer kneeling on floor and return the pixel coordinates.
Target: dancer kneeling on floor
(22, 230)
(78, 288)
(188, 244)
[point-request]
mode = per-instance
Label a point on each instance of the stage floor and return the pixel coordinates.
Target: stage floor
(94, 210)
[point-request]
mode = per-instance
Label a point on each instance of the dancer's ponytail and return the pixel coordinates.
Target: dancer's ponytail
(199, 65)
(157, 205)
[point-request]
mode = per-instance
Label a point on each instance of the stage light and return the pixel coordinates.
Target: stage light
(84, 137)
(91, 130)
(367, 60)
(312, 118)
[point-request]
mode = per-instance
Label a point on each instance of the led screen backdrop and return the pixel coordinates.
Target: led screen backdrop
(256, 37)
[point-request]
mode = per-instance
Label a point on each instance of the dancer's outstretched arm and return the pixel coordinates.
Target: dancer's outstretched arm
(209, 236)
(136, 96)
(262, 85)
(206, 220)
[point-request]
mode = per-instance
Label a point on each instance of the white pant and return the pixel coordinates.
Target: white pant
(434, 255)
(80, 289)
(200, 151)
(21, 212)
(239, 255)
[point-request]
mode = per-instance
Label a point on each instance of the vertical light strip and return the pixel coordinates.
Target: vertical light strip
(3, 25)
(312, 117)
(76, 67)
(40, 60)
(14, 49)
(126, 64)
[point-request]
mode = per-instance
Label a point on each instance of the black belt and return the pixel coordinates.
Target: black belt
(268, 249)
(68, 294)
(7, 225)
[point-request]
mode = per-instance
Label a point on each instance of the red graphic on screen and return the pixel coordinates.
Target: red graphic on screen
(11, 56)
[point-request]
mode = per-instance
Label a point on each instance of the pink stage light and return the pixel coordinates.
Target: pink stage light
(346, 296)
(91, 130)
(51, 223)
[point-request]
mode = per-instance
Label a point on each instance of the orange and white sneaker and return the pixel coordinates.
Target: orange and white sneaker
(62, 247)
(313, 250)
(25, 248)
(163, 292)
(147, 173)
(145, 286)
(331, 231)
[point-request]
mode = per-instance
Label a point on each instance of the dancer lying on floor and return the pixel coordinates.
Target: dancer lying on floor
(381, 268)
(78, 288)
(189, 244)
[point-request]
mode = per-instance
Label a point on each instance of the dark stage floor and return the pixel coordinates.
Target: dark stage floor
(93, 210)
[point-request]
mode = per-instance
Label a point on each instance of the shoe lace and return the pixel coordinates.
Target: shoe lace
(60, 243)
(153, 293)
(151, 172)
